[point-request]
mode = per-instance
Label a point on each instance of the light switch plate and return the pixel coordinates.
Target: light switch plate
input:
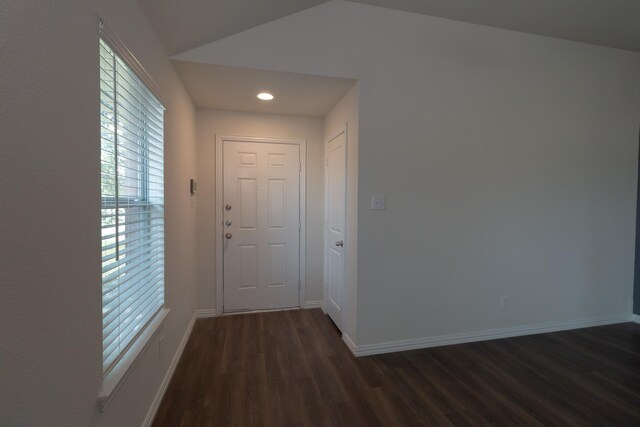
(378, 202)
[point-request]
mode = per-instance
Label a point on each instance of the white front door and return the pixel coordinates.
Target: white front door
(335, 225)
(261, 205)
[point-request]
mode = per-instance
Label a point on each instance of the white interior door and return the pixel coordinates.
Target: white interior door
(335, 226)
(261, 225)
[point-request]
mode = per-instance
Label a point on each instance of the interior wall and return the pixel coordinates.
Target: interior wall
(346, 112)
(50, 269)
(216, 122)
(508, 161)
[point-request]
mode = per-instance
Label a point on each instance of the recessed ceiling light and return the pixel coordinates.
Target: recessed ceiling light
(265, 96)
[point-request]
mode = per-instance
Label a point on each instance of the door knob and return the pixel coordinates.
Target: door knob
(228, 207)
(339, 243)
(228, 236)
(228, 223)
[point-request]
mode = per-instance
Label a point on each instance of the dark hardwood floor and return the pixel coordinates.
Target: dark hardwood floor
(291, 368)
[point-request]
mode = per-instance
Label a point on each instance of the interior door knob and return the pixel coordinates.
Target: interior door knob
(228, 223)
(339, 243)
(228, 207)
(228, 236)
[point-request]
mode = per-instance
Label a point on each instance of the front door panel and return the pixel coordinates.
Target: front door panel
(261, 205)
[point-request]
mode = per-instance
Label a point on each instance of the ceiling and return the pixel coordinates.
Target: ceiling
(235, 89)
(613, 23)
(185, 24)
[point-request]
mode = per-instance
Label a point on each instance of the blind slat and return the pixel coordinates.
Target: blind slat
(147, 279)
(111, 263)
(133, 129)
(133, 295)
(127, 303)
(137, 109)
(128, 265)
(132, 227)
(142, 240)
(142, 316)
(139, 158)
(136, 89)
(144, 149)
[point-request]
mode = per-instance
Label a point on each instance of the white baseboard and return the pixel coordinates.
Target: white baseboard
(313, 304)
(349, 342)
(635, 318)
(148, 420)
(202, 314)
(414, 344)
(213, 313)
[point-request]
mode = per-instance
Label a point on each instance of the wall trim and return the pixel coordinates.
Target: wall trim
(313, 304)
(441, 340)
(349, 342)
(151, 413)
(204, 313)
(635, 318)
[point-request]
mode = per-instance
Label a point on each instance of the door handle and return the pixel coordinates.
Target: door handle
(228, 236)
(228, 207)
(339, 243)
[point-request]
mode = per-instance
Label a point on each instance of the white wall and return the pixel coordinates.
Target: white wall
(50, 287)
(508, 161)
(215, 122)
(346, 112)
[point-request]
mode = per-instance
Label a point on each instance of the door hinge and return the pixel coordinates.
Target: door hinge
(299, 226)
(299, 284)
(299, 166)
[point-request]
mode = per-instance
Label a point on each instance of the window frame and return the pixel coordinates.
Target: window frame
(117, 372)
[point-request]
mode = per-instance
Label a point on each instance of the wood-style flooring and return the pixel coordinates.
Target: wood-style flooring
(291, 368)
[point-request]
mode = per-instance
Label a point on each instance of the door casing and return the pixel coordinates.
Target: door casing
(220, 213)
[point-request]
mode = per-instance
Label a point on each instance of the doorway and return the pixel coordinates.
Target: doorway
(260, 222)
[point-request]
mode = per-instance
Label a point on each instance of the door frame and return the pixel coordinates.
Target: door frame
(343, 129)
(219, 284)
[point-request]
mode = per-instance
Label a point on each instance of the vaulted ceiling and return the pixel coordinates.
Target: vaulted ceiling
(185, 24)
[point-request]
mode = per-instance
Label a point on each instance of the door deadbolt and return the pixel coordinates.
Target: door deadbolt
(228, 207)
(228, 236)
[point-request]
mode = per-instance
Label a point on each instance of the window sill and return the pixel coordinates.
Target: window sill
(114, 379)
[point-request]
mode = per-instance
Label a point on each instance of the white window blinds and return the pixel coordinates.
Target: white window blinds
(132, 169)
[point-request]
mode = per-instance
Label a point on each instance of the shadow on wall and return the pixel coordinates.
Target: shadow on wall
(636, 275)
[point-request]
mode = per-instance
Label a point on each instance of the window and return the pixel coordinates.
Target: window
(132, 194)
